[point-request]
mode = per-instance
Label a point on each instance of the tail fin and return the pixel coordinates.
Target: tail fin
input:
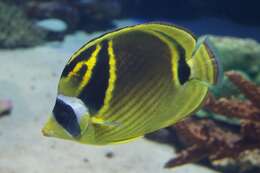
(205, 65)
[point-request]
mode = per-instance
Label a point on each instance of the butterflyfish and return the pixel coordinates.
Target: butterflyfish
(130, 82)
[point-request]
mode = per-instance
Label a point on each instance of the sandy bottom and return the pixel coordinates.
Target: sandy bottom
(29, 78)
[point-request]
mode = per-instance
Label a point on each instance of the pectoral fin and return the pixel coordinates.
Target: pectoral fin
(102, 122)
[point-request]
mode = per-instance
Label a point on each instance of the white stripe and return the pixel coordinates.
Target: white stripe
(76, 104)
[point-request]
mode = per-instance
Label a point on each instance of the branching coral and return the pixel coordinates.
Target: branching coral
(212, 140)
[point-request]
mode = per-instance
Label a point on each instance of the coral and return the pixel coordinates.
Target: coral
(233, 108)
(90, 16)
(207, 139)
(250, 90)
(16, 29)
(203, 139)
(238, 54)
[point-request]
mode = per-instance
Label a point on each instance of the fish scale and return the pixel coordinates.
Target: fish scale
(150, 110)
(136, 113)
(136, 109)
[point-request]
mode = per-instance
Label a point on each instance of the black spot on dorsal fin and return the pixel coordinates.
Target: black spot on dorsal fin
(183, 67)
(183, 70)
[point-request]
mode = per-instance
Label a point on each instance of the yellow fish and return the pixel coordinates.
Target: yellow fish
(130, 82)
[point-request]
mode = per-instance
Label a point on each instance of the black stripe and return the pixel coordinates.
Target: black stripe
(85, 55)
(183, 67)
(82, 71)
(183, 71)
(93, 94)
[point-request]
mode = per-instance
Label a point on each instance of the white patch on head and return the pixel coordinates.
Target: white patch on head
(77, 105)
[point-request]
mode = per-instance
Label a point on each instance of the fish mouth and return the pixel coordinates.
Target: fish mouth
(45, 132)
(53, 129)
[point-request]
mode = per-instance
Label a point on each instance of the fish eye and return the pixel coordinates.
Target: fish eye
(66, 117)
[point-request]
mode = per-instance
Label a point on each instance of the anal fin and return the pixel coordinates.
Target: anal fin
(123, 141)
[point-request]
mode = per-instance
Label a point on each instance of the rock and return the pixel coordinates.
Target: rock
(96, 15)
(52, 24)
(5, 107)
(55, 28)
(85, 160)
(16, 29)
(87, 15)
(54, 10)
(246, 162)
(110, 155)
(237, 54)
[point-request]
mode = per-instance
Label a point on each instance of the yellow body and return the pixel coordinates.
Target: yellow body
(135, 72)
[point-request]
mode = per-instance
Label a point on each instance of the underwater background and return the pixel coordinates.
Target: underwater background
(38, 36)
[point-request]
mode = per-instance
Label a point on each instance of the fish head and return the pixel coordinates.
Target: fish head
(68, 120)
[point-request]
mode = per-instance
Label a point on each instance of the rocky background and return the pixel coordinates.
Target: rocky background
(31, 22)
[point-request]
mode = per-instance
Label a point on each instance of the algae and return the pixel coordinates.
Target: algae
(16, 30)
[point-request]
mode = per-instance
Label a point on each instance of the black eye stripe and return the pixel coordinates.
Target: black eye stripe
(66, 117)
